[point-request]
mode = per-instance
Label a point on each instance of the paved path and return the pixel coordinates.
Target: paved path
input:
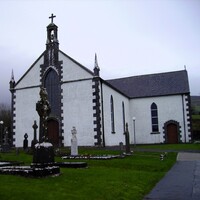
(182, 182)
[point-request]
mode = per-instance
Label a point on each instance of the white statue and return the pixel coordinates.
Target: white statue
(74, 144)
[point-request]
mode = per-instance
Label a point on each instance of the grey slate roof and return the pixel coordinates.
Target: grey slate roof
(161, 84)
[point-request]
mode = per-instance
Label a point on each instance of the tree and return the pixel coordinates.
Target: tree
(5, 116)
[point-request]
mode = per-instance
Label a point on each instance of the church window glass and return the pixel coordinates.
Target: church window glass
(154, 117)
(123, 116)
(112, 114)
(52, 86)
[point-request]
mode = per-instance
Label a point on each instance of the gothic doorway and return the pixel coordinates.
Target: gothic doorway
(53, 131)
(172, 132)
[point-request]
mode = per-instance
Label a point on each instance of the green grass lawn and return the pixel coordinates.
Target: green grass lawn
(129, 178)
(177, 147)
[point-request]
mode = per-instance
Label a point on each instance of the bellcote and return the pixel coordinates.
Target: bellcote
(52, 32)
(52, 44)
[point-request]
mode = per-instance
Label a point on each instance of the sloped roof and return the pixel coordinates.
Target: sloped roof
(161, 84)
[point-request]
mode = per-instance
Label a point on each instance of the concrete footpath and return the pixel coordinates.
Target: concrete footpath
(182, 182)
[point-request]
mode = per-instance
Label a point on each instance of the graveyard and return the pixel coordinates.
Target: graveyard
(41, 171)
(130, 177)
(44, 171)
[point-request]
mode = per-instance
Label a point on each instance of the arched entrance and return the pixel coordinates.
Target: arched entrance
(172, 132)
(53, 131)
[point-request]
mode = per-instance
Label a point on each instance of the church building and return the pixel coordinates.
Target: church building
(156, 106)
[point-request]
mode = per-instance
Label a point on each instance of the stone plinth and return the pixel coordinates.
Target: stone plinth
(43, 154)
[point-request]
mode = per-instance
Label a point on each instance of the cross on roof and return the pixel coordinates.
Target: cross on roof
(51, 17)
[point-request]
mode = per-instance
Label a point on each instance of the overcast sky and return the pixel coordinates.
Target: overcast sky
(130, 37)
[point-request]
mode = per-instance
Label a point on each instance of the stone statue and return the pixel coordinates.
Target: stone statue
(74, 144)
(43, 152)
(43, 108)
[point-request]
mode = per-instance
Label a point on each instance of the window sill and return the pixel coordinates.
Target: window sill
(153, 133)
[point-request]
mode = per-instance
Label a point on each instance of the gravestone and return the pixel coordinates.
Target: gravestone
(121, 146)
(34, 141)
(127, 140)
(5, 146)
(25, 144)
(74, 143)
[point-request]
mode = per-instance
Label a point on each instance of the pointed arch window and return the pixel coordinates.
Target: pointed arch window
(51, 83)
(123, 116)
(112, 114)
(154, 118)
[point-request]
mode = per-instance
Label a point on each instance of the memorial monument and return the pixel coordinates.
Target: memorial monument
(74, 143)
(43, 153)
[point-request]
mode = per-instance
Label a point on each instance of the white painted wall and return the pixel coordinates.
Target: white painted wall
(169, 108)
(77, 102)
(118, 136)
(72, 71)
(32, 77)
(78, 112)
(25, 104)
(25, 115)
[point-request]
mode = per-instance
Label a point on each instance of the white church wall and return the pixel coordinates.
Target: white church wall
(78, 112)
(72, 71)
(25, 104)
(169, 108)
(118, 136)
(32, 78)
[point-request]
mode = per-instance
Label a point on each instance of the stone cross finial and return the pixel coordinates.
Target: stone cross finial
(51, 17)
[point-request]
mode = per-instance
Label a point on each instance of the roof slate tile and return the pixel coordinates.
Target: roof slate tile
(162, 84)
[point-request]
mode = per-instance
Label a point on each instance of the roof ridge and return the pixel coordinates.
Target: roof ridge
(142, 75)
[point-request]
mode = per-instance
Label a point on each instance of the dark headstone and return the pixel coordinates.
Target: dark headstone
(127, 140)
(17, 151)
(25, 144)
(121, 146)
(5, 146)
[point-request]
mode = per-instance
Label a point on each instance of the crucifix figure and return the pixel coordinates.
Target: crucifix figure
(51, 17)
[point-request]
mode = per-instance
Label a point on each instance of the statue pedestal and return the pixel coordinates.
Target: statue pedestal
(43, 154)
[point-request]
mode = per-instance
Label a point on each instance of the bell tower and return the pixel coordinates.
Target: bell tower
(52, 44)
(51, 79)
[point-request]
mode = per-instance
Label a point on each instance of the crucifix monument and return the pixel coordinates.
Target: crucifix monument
(43, 151)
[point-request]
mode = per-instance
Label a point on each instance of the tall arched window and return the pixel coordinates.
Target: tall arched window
(154, 117)
(123, 116)
(112, 115)
(51, 83)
